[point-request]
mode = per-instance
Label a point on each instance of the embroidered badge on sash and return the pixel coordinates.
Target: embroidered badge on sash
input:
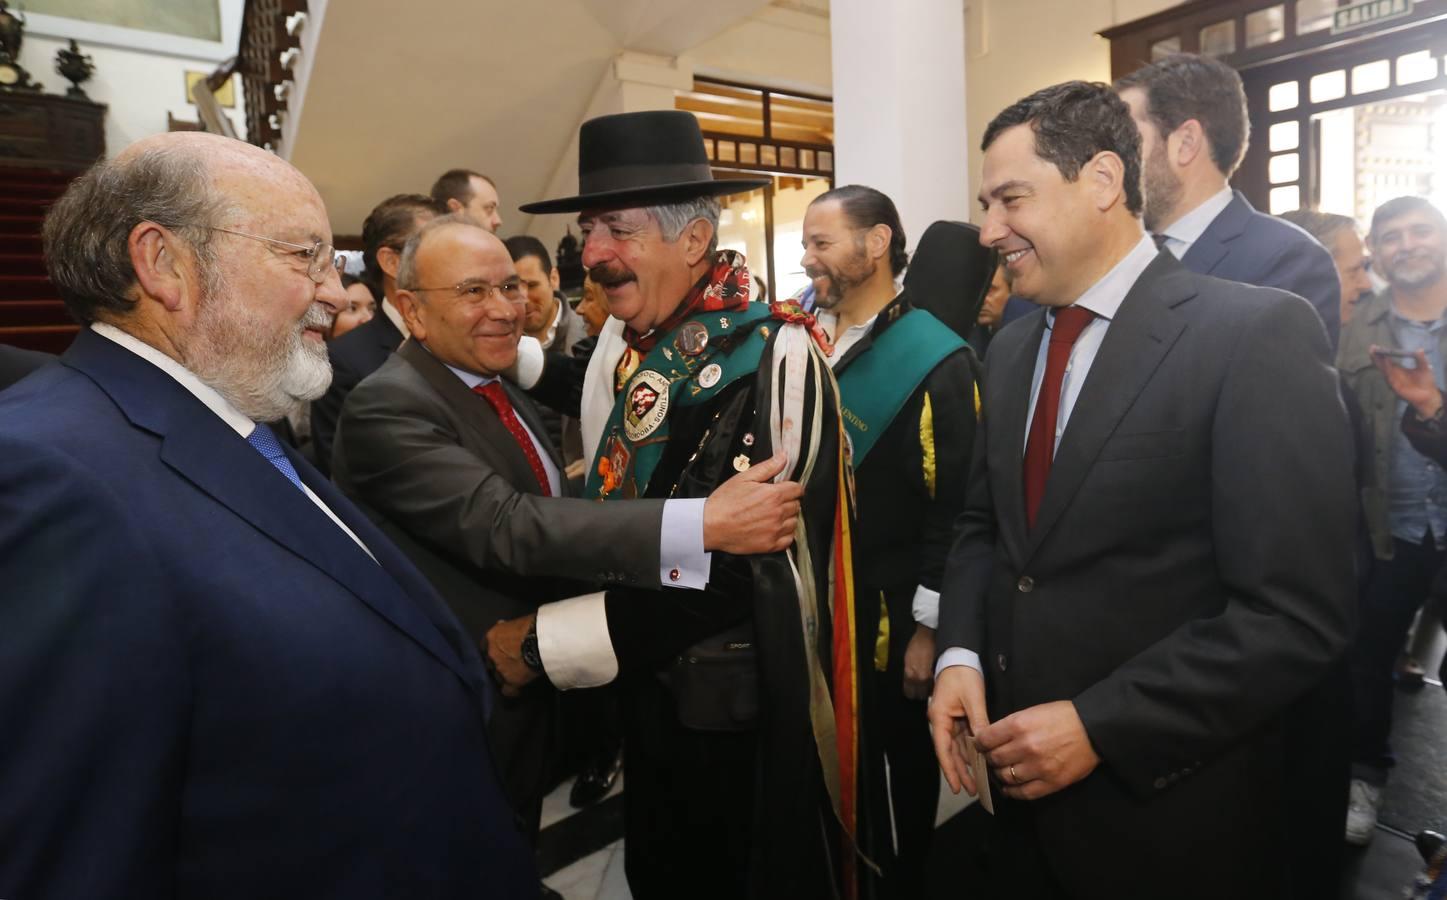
(647, 399)
(613, 465)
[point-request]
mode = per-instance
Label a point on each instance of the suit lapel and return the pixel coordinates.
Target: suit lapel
(1013, 368)
(1141, 334)
(406, 576)
(1215, 242)
(205, 451)
(493, 440)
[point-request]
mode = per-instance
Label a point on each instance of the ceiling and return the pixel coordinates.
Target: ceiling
(393, 100)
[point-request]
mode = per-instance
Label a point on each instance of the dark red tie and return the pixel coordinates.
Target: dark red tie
(1040, 448)
(494, 395)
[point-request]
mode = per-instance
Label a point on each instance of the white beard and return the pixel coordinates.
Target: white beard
(264, 375)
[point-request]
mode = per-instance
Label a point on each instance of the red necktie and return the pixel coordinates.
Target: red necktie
(1040, 448)
(494, 395)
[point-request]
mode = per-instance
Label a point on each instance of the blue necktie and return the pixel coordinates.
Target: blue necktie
(268, 446)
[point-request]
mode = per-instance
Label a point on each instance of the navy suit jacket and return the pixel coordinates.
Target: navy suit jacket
(207, 689)
(1253, 248)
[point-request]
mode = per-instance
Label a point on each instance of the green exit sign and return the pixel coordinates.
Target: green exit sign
(1350, 18)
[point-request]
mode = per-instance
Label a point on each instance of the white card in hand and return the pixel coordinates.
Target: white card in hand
(980, 769)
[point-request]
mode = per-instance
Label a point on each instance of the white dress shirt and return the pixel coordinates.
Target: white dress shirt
(1104, 299)
(1188, 229)
(212, 400)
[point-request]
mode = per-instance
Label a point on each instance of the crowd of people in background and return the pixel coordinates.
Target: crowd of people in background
(322, 574)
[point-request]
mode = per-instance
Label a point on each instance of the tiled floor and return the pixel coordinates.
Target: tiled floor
(595, 877)
(1416, 799)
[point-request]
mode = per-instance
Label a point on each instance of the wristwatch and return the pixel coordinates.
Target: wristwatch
(531, 657)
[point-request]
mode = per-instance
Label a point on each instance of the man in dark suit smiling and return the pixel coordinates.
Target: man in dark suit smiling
(1128, 612)
(218, 679)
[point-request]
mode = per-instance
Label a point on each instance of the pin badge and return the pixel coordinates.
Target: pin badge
(741, 462)
(692, 338)
(709, 376)
(749, 439)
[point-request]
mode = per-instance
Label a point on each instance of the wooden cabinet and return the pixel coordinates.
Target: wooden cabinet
(52, 132)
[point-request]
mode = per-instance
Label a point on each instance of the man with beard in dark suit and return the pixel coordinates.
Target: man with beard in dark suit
(1155, 558)
(219, 679)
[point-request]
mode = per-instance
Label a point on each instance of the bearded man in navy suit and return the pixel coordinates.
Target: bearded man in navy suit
(1191, 111)
(218, 679)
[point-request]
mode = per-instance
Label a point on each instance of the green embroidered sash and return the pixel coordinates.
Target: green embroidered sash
(875, 386)
(688, 366)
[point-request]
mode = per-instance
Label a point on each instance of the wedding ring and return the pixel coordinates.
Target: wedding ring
(1014, 775)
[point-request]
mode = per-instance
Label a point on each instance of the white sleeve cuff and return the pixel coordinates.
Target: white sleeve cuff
(926, 607)
(574, 644)
(955, 656)
(529, 367)
(682, 561)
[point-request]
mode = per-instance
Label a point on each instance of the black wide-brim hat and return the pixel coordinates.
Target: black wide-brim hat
(642, 159)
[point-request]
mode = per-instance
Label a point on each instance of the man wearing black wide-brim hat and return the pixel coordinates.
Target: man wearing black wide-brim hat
(739, 721)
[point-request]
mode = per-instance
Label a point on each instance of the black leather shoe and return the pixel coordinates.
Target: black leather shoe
(595, 781)
(1430, 844)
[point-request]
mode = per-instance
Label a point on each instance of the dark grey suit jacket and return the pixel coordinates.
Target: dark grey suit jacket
(354, 356)
(1189, 575)
(430, 459)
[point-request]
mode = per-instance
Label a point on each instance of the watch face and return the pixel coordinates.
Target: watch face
(8, 74)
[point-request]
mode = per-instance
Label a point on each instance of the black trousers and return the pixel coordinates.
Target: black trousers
(914, 782)
(688, 801)
(1394, 592)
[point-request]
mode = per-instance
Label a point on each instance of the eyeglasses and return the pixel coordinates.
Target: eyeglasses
(322, 258)
(475, 291)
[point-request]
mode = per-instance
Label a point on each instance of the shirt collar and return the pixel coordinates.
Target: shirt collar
(1189, 228)
(471, 379)
(1105, 296)
(552, 332)
(183, 376)
(392, 313)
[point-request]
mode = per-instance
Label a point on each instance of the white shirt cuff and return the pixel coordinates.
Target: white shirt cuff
(574, 644)
(955, 656)
(926, 607)
(529, 367)
(682, 561)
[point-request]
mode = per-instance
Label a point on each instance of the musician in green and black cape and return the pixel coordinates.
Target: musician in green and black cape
(739, 700)
(907, 388)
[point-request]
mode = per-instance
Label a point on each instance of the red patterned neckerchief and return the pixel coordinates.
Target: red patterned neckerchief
(724, 288)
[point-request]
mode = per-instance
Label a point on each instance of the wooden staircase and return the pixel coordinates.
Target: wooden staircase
(31, 313)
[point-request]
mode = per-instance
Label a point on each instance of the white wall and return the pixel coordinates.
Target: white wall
(1014, 48)
(140, 76)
